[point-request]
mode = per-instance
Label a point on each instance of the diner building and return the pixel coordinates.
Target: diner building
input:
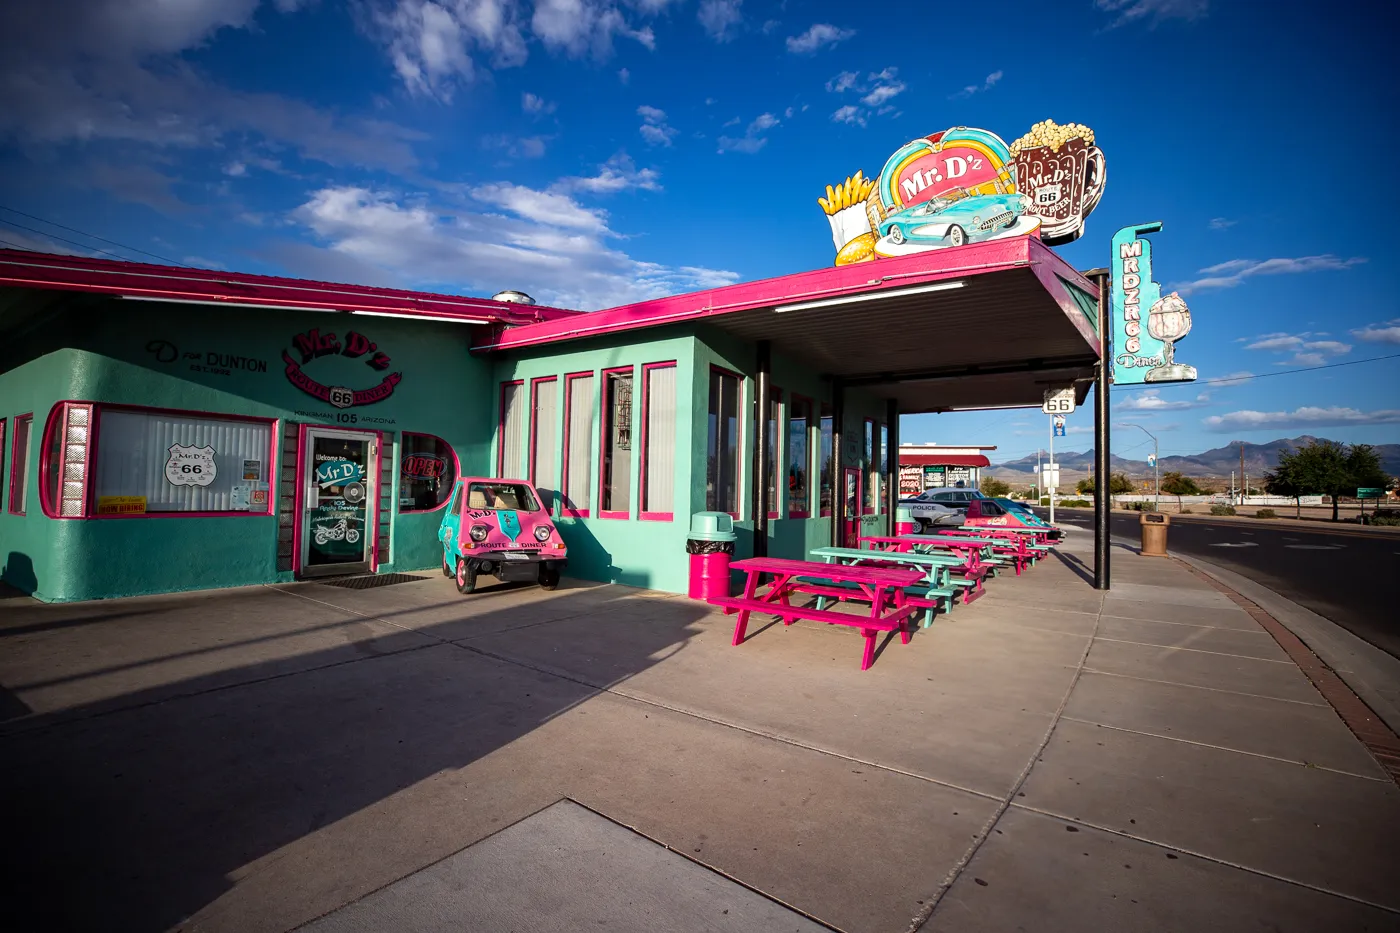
(171, 429)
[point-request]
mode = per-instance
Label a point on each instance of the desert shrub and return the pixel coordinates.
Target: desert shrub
(1077, 503)
(1138, 506)
(1385, 517)
(1266, 513)
(1222, 510)
(1186, 511)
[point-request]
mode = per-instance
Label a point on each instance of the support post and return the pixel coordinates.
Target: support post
(838, 476)
(1052, 484)
(761, 506)
(891, 464)
(1103, 503)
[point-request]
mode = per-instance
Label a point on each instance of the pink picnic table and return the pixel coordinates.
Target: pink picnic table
(883, 587)
(970, 549)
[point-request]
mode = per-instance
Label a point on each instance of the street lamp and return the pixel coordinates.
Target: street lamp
(1156, 475)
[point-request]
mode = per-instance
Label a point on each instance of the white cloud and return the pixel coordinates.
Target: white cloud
(819, 36)
(654, 128)
(887, 89)
(1305, 417)
(584, 27)
(752, 140)
(431, 44)
(624, 75)
(535, 104)
(1221, 223)
(1306, 349)
(1233, 272)
(236, 169)
(719, 17)
(987, 84)
(1151, 400)
(619, 173)
(1388, 332)
(517, 147)
(1154, 11)
(992, 79)
(539, 242)
(849, 114)
(843, 82)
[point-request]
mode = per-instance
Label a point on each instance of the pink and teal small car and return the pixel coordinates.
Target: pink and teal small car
(499, 528)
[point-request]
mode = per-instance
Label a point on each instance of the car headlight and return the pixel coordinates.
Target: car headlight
(479, 533)
(977, 220)
(542, 533)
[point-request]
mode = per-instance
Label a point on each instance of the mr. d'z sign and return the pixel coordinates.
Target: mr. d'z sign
(313, 345)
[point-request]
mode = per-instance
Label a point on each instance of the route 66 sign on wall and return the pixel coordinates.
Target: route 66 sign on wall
(190, 466)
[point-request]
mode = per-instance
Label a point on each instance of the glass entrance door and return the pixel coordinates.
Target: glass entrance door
(337, 525)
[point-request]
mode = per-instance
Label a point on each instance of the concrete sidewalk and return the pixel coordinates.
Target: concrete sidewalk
(1048, 758)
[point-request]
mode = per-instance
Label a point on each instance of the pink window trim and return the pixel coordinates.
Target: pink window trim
(603, 427)
(4, 426)
(58, 420)
(299, 503)
(642, 480)
(867, 466)
(17, 470)
(739, 458)
(501, 430)
(456, 463)
(95, 440)
(804, 404)
(823, 412)
(534, 429)
(775, 394)
(568, 425)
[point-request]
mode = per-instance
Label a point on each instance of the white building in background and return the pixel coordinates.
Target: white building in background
(929, 466)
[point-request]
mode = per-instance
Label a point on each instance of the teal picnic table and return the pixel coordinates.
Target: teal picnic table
(935, 588)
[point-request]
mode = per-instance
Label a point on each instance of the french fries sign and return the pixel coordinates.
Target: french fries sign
(966, 185)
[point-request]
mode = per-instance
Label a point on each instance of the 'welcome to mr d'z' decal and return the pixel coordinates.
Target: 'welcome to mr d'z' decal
(314, 344)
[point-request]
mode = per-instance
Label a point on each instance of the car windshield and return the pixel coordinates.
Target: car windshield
(494, 496)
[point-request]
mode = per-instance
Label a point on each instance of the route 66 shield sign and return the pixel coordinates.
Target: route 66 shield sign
(190, 466)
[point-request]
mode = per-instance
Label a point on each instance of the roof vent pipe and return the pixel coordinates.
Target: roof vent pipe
(513, 297)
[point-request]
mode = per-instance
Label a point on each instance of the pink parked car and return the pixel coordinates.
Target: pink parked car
(499, 528)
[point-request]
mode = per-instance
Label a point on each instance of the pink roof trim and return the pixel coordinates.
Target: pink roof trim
(24, 269)
(831, 282)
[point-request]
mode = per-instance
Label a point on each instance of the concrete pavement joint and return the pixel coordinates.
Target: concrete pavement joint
(1225, 748)
(1219, 654)
(923, 916)
(1209, 858)
(1219, 628)
(1177, 683)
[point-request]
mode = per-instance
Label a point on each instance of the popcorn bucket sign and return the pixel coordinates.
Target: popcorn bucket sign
(190, 466)
(966, 185)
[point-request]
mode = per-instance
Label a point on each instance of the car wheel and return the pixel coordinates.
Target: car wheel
(466, 576)
(896, 234)
(957, 236)
(549, 578)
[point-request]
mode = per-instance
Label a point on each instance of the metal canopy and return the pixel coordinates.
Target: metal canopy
(983, 326)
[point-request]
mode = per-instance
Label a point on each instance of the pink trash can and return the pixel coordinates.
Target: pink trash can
(710, 546)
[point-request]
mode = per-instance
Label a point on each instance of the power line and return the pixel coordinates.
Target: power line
(1241, 380)
(55, 236)
(93, 236)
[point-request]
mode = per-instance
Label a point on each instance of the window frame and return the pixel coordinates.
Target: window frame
(534, 436)
(646, 424)
(501, 427)
(90, 512)
(804, 404)
(4, 449)
(779, 491)
(824, 414)
(605, 429)
(565, 510)
(19, 471)
(739, 441)
(456, 464)
(866, 503)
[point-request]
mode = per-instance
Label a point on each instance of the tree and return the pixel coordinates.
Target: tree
(1175, 484)
(991, 486)
(1327, 468)
(1085, 487)
(1282, 482)
(1119, 485)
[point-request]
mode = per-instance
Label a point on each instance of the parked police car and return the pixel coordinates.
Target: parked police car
(934, 507)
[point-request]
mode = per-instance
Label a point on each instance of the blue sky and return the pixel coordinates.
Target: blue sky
(593, 153)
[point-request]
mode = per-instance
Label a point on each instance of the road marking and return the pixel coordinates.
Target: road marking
(1290, 539)
(1315, 547)
(1243, 544)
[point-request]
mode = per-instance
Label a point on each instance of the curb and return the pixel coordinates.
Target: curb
(1369, 729)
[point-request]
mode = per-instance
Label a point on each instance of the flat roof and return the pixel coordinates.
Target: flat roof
(23, 269)
(986, 325)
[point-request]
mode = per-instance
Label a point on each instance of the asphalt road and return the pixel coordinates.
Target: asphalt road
(1348, 575)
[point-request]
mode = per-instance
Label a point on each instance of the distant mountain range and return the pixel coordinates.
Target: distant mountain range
(1220, 461)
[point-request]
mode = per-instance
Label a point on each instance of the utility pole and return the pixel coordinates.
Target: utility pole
(1156, 470)
(1039, 476)
(1244, 477)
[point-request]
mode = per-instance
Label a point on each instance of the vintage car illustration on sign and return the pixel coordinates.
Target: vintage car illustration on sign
(498, 527)
(955, 217)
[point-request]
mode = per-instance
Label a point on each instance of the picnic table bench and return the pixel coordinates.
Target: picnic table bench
(1007, 543)
(882, 586)
(935, 589)
(977, 562)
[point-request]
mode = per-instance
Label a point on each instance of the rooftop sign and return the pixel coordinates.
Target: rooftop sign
(1146, 325)
(966, 185)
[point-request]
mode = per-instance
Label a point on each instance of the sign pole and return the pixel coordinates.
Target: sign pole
(1102, 413)
(1051, 472)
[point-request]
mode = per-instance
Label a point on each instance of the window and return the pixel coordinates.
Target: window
(578, 442)
(658, 441)
(799, 458)
(722, 448)
(770, 438)
(63, 471)
(867, 467)
(544, 430)
(510, 452)
(19, 464)
(615, 470)
(513, 497)
(177, 462)
(884, 470)
(826, 476)
(427, 472)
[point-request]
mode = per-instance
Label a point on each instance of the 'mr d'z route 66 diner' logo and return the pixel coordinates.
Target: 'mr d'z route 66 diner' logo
(314, 344)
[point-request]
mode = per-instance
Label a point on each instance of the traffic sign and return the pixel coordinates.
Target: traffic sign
(1058, 401)
(1370, 492)
(1059, 427)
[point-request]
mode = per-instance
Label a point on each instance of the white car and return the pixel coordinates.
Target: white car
(934, 507)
